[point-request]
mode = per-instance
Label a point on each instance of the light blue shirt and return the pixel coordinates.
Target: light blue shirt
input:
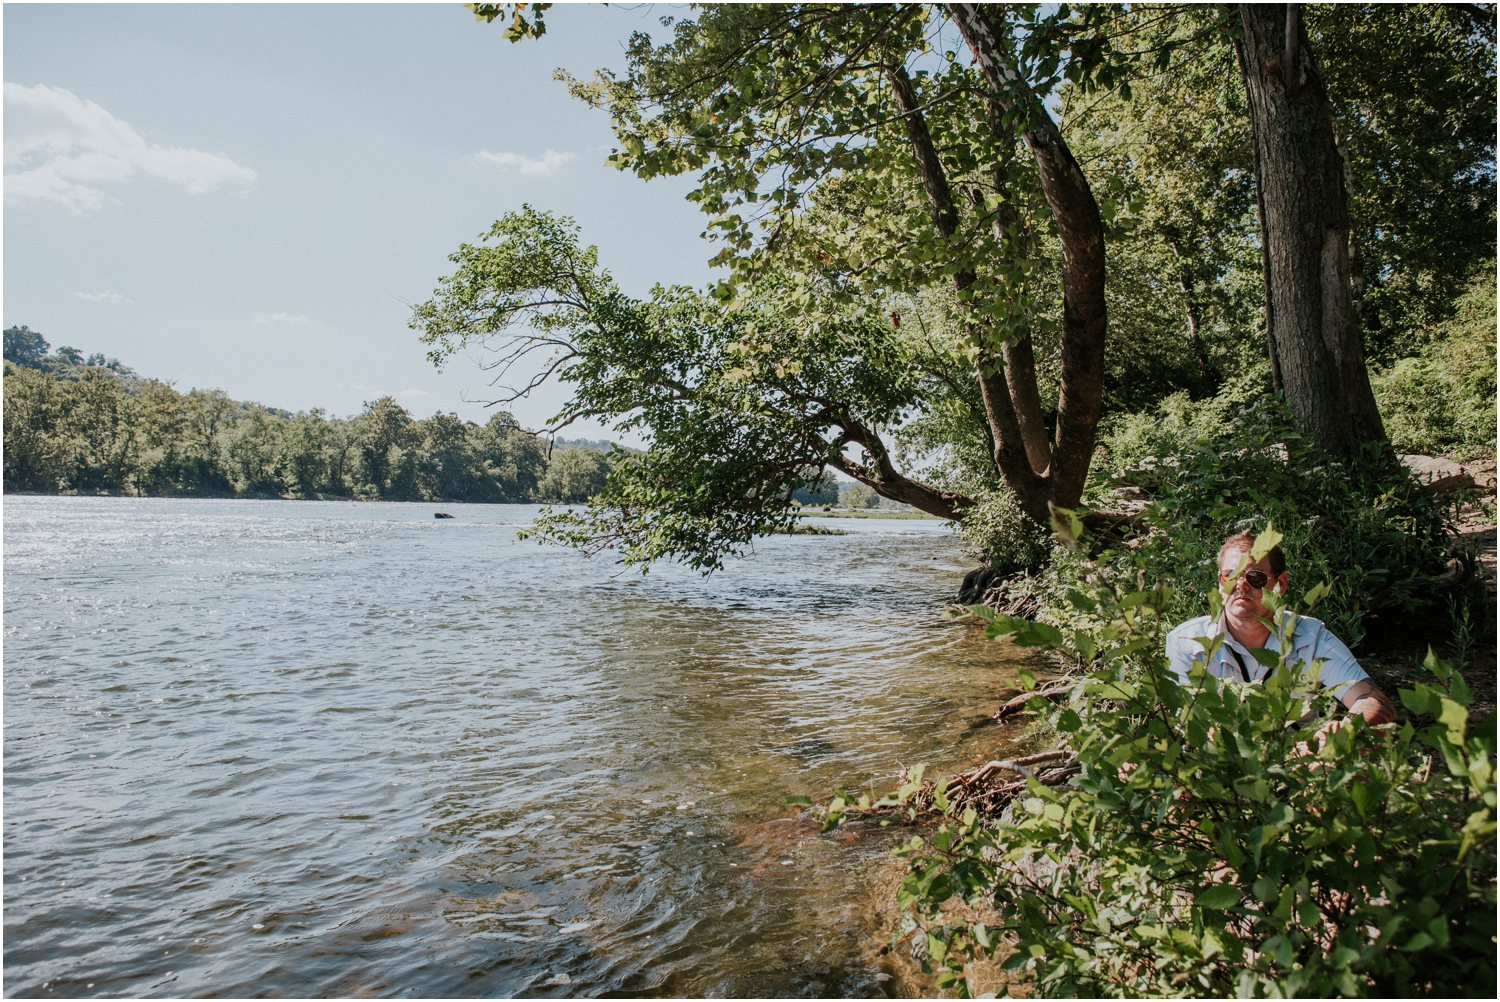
(1311, 641)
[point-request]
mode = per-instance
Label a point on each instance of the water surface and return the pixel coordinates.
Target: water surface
(314, 748)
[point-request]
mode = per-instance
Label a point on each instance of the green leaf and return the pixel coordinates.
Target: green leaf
(1038, 635)
(1027, 679)
(1454, 717)
(1066, 524)
(1267, 658)
(1265, 541)
(1081, 602)
(798, 800)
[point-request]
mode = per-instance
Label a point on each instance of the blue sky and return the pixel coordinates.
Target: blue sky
(246, 197)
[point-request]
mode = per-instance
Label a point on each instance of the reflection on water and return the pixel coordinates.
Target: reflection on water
(288, 748)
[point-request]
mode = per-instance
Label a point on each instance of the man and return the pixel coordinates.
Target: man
(1243, 628)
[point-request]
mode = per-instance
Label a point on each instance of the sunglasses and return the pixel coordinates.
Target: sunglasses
(1254, 577)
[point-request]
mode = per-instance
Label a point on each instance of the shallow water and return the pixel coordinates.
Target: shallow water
(316, 748)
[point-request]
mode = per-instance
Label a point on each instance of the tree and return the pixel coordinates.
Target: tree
(511, 462)
(574, 476)
(303, 459)
(1317, 356)
(819, 488)
(25, 346)
(35, 457)
(445, 467)
(382, 437)
(860, 496)
(100, 424)
(742, 402)
(1412, 89)
(252, 448)
(820, 104)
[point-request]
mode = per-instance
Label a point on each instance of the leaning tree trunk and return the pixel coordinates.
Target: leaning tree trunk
(1081, 232)
(1312, 325)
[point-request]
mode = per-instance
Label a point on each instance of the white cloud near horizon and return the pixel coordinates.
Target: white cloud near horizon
(58, 147)
(107, 296)
(278, 318)
(547, 163)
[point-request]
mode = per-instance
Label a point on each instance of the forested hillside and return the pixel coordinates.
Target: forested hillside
(76, 424)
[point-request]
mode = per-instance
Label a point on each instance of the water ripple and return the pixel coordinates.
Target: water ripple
(258, 748)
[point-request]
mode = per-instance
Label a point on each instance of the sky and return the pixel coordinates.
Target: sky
(248, 198)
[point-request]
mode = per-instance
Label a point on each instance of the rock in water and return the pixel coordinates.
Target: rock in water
(441, 514)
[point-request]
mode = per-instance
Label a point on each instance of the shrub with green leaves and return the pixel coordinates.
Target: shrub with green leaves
(1442, 400)
(1215, 844)
(1006, 539)
(1214, 469)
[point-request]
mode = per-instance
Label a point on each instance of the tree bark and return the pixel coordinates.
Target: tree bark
(1081, 231)
(1312, 325)
(1020, 357)
(882, 475)
(1011, 455)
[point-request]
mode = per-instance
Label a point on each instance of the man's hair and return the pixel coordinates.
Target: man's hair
(1246, 540)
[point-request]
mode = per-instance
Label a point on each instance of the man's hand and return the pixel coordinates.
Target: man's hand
(1369, 702)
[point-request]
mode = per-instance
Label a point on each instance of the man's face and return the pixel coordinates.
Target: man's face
(1245, 601)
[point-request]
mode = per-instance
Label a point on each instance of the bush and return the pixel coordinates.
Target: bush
(1442, 401)
(1006, 538)
(1207, 847)
(1217, 468)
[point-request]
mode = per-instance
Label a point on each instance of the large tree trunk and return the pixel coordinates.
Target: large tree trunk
(1312, 324)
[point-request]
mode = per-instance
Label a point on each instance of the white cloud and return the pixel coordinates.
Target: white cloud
(279, 318)
(107, 296)
(59, 146)
(547, 163)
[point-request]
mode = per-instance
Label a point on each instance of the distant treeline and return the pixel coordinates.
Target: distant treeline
(88, 425)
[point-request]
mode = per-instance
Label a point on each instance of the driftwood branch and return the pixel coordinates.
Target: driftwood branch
(1052, 690)
(980, 789)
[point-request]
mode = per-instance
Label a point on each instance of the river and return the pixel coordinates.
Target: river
(282, 748)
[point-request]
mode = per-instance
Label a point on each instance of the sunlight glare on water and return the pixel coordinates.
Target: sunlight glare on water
(321, 748)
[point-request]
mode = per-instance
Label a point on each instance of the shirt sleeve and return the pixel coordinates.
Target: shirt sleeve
(1339, 667)
(1182, 650)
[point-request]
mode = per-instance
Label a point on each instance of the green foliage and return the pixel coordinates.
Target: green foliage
(1006, 539)
(1218, 467)
(1442, 401)
(25, 346)
(1413, 94)
(574, 476)
(519, 27)
(1210, 847)
(822, 488)
(859, 496)
(783, 112)
(94, 430)
(743, 403)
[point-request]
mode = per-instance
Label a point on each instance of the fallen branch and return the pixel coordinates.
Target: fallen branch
(1052, 690)
(978, 789)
